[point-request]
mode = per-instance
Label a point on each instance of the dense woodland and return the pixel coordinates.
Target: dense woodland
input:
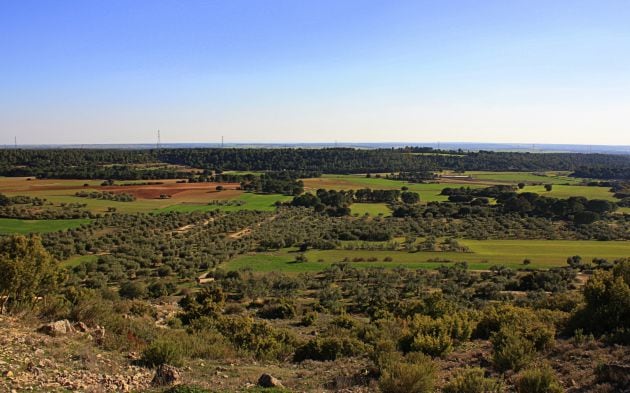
(126, 164)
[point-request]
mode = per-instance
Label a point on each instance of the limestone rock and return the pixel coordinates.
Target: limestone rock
(57, 328)
(165, 375)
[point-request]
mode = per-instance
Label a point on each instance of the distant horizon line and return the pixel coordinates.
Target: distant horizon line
(403, 143)
(470, 146)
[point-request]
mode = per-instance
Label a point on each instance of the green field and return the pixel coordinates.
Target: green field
(11, 225)
(428, 192)
(563, 191)
(525, 177)
(262, 202)
(371, 209)
(485, 253)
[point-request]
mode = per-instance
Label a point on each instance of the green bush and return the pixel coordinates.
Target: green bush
(415, 374)
(258, 337)
(511, 350)
(472, 380)
(160, 352)
(538, 380)
(132, 290)
(308, 319)
(329, 348)
(432, 344)
(280, 310)
(538, 326)
(436, 336)
(607, 309)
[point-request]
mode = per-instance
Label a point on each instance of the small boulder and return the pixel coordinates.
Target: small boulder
(267, 381)
(57, 328)
(165, 375)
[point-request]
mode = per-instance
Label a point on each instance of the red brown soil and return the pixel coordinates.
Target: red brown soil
(170, 189)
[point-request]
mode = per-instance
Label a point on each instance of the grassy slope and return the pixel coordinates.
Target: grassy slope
(10, 225)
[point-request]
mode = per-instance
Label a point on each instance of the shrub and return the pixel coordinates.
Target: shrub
(472, 380)
(329, 348)
(436, 337)
(537, 326)
(257, 337)
(344, 321)
(308, 319)
(607, 309)
(432, 344)
(132, 290)
(416, 374)
(511, 351)
(538, 380)
(161, 352)
(281, 310)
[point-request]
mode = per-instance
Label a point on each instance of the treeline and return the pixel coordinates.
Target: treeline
(465, 202)
(106, 195)
(337, 203)
(413, 177)
(348, 160)
(119, 164)
(284, 182)
(20, 200)
(603, 172)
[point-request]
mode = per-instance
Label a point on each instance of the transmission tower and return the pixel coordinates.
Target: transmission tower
(159, 141)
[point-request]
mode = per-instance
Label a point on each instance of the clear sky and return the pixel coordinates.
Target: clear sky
(552, 71)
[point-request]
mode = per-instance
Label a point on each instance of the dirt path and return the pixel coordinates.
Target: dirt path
(188, 227)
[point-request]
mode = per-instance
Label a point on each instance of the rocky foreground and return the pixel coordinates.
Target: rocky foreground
(48, 361)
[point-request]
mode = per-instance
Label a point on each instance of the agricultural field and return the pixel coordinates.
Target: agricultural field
(563, 185)
(564, 191)
(11, 225)
(525, 177)
(429, 192)
(543, 254)
(243, 201)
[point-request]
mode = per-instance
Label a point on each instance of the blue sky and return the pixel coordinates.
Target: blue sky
(299, 71)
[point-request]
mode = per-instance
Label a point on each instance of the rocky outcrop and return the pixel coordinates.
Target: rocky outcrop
(57, 328)
(166, 375)
(267, 381)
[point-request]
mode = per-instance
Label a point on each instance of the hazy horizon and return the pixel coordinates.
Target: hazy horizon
(315, 72)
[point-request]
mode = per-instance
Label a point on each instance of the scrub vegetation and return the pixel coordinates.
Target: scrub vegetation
(391, 270)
